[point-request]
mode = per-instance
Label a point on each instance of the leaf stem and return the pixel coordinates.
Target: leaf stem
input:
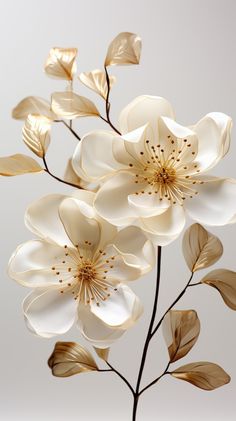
(121, 376)
(149, 335)
(156, 380)
(69, 126)
(108, 105)
(57, 178)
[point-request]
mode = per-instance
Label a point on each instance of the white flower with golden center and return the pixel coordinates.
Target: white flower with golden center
(155, 172)
(78, 270)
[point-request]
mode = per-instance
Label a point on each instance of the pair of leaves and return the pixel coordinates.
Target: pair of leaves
(202, 249)
(69, 358)
(181, 330)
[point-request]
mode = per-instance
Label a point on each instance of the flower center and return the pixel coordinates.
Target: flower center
(84, 274)
(164, 176)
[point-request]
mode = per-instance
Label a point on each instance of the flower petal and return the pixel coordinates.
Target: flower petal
(80, 224)
(121, 309)
(32, 261)
(94, 155)
(111, 201)
(144, 109)
(136, 248)
(120, 268)
(215, 203)
(95, 331)
(49, 313)
(147, 205)
(213, 132)
(163, 229)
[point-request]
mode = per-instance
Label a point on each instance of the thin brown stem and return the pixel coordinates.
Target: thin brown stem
(156, 380)
(69, 126)
(57, 178)
(108, 105)
(149, 335)
(121, 376)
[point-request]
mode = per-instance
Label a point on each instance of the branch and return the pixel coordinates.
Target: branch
(57, 178)
(156, 380)
(69, 126)
(108, 105)
(121, 376)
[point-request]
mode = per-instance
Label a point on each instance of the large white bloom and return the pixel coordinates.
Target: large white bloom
(155, 171)
(78, 269)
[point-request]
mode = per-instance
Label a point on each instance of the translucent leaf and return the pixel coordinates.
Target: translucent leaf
(32, 105)
(205, 375)
(102, 353)
(181, 329)
(61, 63)
(125, 49)
(224, 281)
(70, 105)
(69, 358)
(18, 164)
(96, 80)
(200, 248)
(36, 133)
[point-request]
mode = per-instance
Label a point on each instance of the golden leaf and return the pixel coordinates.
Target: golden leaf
(181, 329)
(18, 164)
(70, 175)
(200, 248)
(102, 353)
(224, 281)
(96, 80)
(69, 358)
(32, 105)
(205, 375)
(125, 49)
(61, 63)
(70, 105)
(36, 133)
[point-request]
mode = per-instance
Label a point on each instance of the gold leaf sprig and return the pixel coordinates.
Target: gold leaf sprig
(125, 49)
(61, 63)
(69, 105)
(18, 164)
(36, 134)
(32, 105)
(96, 81)
(201, 249)
(224, 281)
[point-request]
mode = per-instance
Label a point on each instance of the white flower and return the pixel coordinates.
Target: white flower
(78, 269)
(155, 171)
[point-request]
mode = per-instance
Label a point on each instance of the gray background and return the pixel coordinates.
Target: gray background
(189, 58)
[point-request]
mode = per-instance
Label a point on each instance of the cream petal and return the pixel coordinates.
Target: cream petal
(49, 313)
(121, 309)
(215, 203)
(164, 228)
(42, 219)
(95, 331)
(145, 109)
(32, 261)
(121, 268)
(135, 248)
(111, 201)
(147, 205)
(94, 155)
(213, 132)
(79, 220)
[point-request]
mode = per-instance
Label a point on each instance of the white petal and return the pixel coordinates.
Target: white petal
(122, 269)
(42, 219)
(94, 330)
(213, 132)
(215, 203)
(145, 204)
(31, 264)
(79, 220)
(136, 248)
(165, 228)
(49, 313)
(111, 200)
(94, 155)
(144, 109)
(121, 309)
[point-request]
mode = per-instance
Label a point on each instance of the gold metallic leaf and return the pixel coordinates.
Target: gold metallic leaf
(125, 49)
(36, 133)
(70, 105)
(18, 164)
(102, 353)
(69, 358)
(181, 329)
(224, 281)
(61, 63)
(70, 175)
(96, 80)
(200, 248)
(205, 375)
(32, 105)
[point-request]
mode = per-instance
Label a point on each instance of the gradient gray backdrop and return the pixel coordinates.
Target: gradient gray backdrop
(188, 57)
